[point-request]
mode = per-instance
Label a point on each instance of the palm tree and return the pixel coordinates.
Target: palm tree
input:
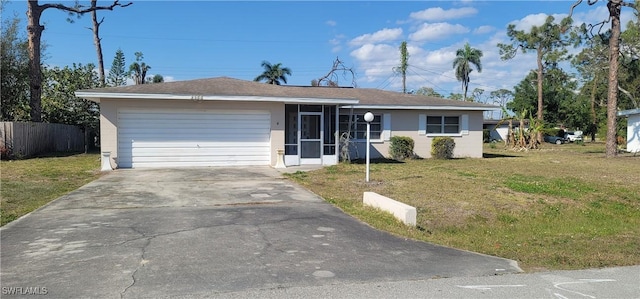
(138, 69)
(273, 73)
(465, 57)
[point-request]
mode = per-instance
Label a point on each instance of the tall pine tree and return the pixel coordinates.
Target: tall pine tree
(117, 74)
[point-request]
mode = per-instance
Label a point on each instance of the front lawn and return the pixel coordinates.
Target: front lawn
(31, 183)
(561, 207)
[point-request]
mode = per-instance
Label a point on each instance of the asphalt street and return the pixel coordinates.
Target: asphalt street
(620, 283)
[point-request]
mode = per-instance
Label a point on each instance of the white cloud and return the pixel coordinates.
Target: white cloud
(331, 23)
(371, 52)
(592, 16)
(600, 14)
(439, 14)
(440, 58)
(535, 20)
(383, 35)
(376, 62)
(433, 67)
(336, 43)
(430, 64)
(434, 31)
(484, 29)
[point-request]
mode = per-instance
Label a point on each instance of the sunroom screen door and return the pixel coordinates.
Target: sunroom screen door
(310, 138)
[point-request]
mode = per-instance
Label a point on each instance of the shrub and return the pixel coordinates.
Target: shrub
(550, 131)
(442, 148)
(486, 135)
(5, 153)
(401, 147)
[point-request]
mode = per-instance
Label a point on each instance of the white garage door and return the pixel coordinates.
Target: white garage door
(170, 138)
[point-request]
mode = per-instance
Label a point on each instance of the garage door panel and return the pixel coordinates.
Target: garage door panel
(176, 146)
(169, 164)
(195, 139)
(192, 114)
(198, 132)
(164, 138)
(184, 123)
(213, 152)
(201, 159)
(214, 118)
(195, 123)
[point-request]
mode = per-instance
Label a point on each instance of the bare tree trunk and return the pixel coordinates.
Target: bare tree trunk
(96, 41)
(34, 31)
(465, 87)
(404, 82)
(511, 138)
(612, 94)
(540, 104)
(331, 77)
(594, 117)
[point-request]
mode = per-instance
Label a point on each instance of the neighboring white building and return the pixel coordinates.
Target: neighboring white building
(499, 129)
(633, 129)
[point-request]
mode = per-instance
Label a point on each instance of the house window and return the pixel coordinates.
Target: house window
(359, 126)
(443, 124)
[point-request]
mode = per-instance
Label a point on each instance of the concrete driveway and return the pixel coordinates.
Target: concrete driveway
(205, 231)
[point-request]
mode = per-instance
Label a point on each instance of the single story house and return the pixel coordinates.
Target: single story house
(224, 121)
(633, 129)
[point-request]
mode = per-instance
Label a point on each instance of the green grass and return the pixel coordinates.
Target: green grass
(570, 188)
(560, 207)
(31, 183)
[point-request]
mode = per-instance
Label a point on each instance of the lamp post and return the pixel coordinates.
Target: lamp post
(368, 117)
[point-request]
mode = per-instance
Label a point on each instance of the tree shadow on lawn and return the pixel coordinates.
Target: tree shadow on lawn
(490, 156)
(59, 154)
(392, 161)
(377, 161)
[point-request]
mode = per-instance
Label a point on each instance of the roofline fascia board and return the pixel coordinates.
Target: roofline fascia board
(398, 107)
(146, 96)
(629, 112)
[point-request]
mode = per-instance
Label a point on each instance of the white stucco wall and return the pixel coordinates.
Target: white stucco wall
(109, 118)
(633, 133)
(406, 123)
(403, 123)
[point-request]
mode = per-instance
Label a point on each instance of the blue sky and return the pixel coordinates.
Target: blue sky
(203, 39)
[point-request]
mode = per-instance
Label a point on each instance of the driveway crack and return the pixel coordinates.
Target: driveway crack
(143, 262)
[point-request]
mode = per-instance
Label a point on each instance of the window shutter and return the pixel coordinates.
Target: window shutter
(422, 124)
(464, 124)
(386, 126)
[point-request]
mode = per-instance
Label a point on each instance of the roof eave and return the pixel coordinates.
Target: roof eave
(96, 96)
(420, 107)
(629, 112)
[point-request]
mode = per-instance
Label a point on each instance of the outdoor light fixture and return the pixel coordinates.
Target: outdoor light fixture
(368, 117)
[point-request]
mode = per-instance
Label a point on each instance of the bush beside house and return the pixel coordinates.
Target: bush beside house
(442, 148)
(401, 148)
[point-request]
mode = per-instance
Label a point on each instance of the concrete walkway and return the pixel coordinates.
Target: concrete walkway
(180, 232)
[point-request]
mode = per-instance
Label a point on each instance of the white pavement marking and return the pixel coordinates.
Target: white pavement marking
(560, 296)
(557, 285)
(323, 274)
(489, 286)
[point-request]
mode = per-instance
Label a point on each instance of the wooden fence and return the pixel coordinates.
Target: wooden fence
(25, 139)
